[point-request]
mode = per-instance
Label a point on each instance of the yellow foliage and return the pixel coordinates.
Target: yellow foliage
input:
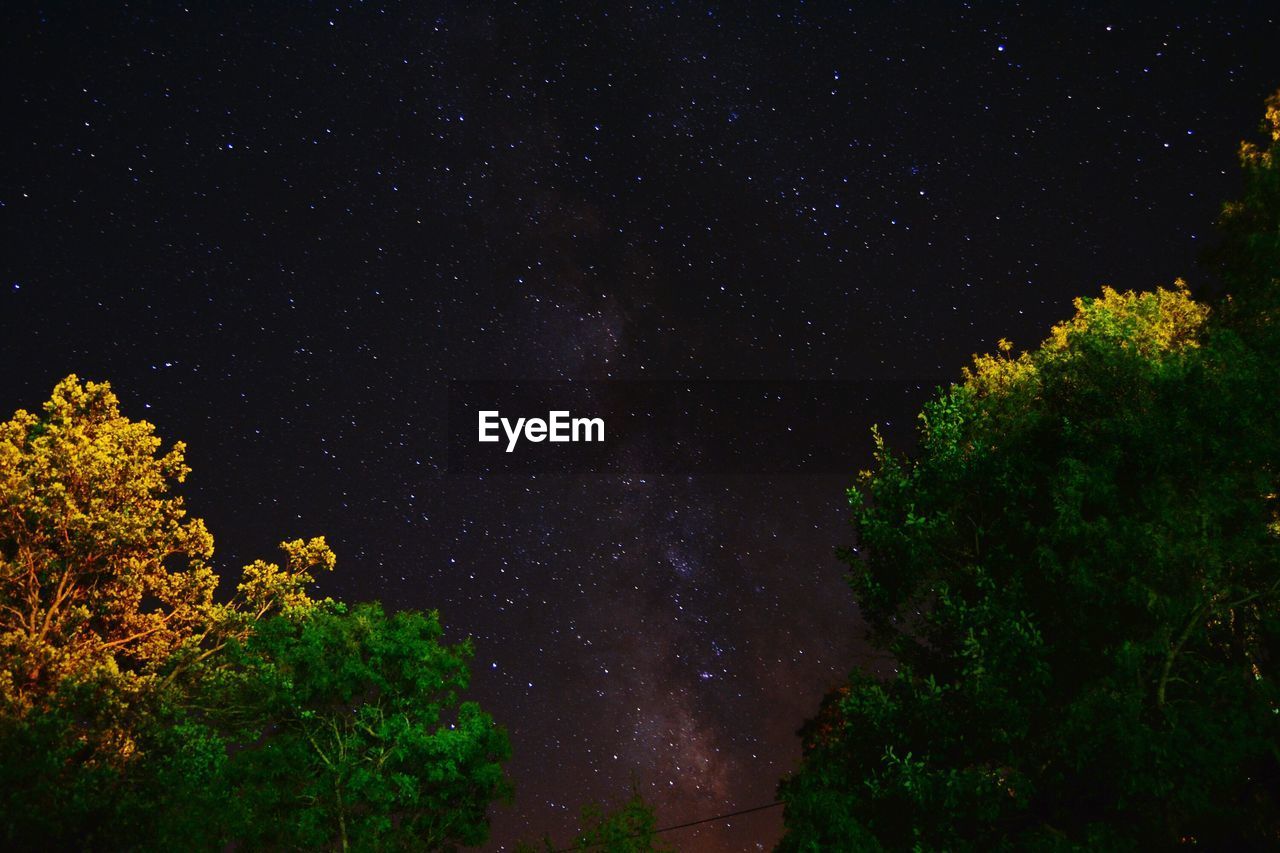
(1149, 323)
(266, 585)
(1152, 322)
(103, 577)
(96, 559)
(1250, 154)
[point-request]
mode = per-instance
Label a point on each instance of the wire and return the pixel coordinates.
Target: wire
(675, 827)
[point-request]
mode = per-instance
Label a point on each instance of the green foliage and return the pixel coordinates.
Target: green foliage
(57, 791)
(627, 829)
(1249, 257)
(630, 828)
(136, 712)
(368, 742)
(1077, 574)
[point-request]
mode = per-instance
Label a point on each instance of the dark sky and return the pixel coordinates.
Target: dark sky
(281, 230)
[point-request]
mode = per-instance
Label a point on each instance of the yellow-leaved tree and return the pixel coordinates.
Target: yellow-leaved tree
(104, 579)
(137, 710)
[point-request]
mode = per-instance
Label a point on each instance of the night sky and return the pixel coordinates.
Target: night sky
(282, 231)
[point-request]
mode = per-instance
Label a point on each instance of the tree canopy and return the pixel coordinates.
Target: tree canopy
(1077, 574)
(631, 827)
(137, 711)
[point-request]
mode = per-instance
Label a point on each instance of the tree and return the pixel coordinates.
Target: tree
(1249, 255)
(369, 744)
(1077, 574)
(89, 538)
(629, 828)
(137, 711)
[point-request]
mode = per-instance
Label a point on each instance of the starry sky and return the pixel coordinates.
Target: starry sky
(281, 231)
